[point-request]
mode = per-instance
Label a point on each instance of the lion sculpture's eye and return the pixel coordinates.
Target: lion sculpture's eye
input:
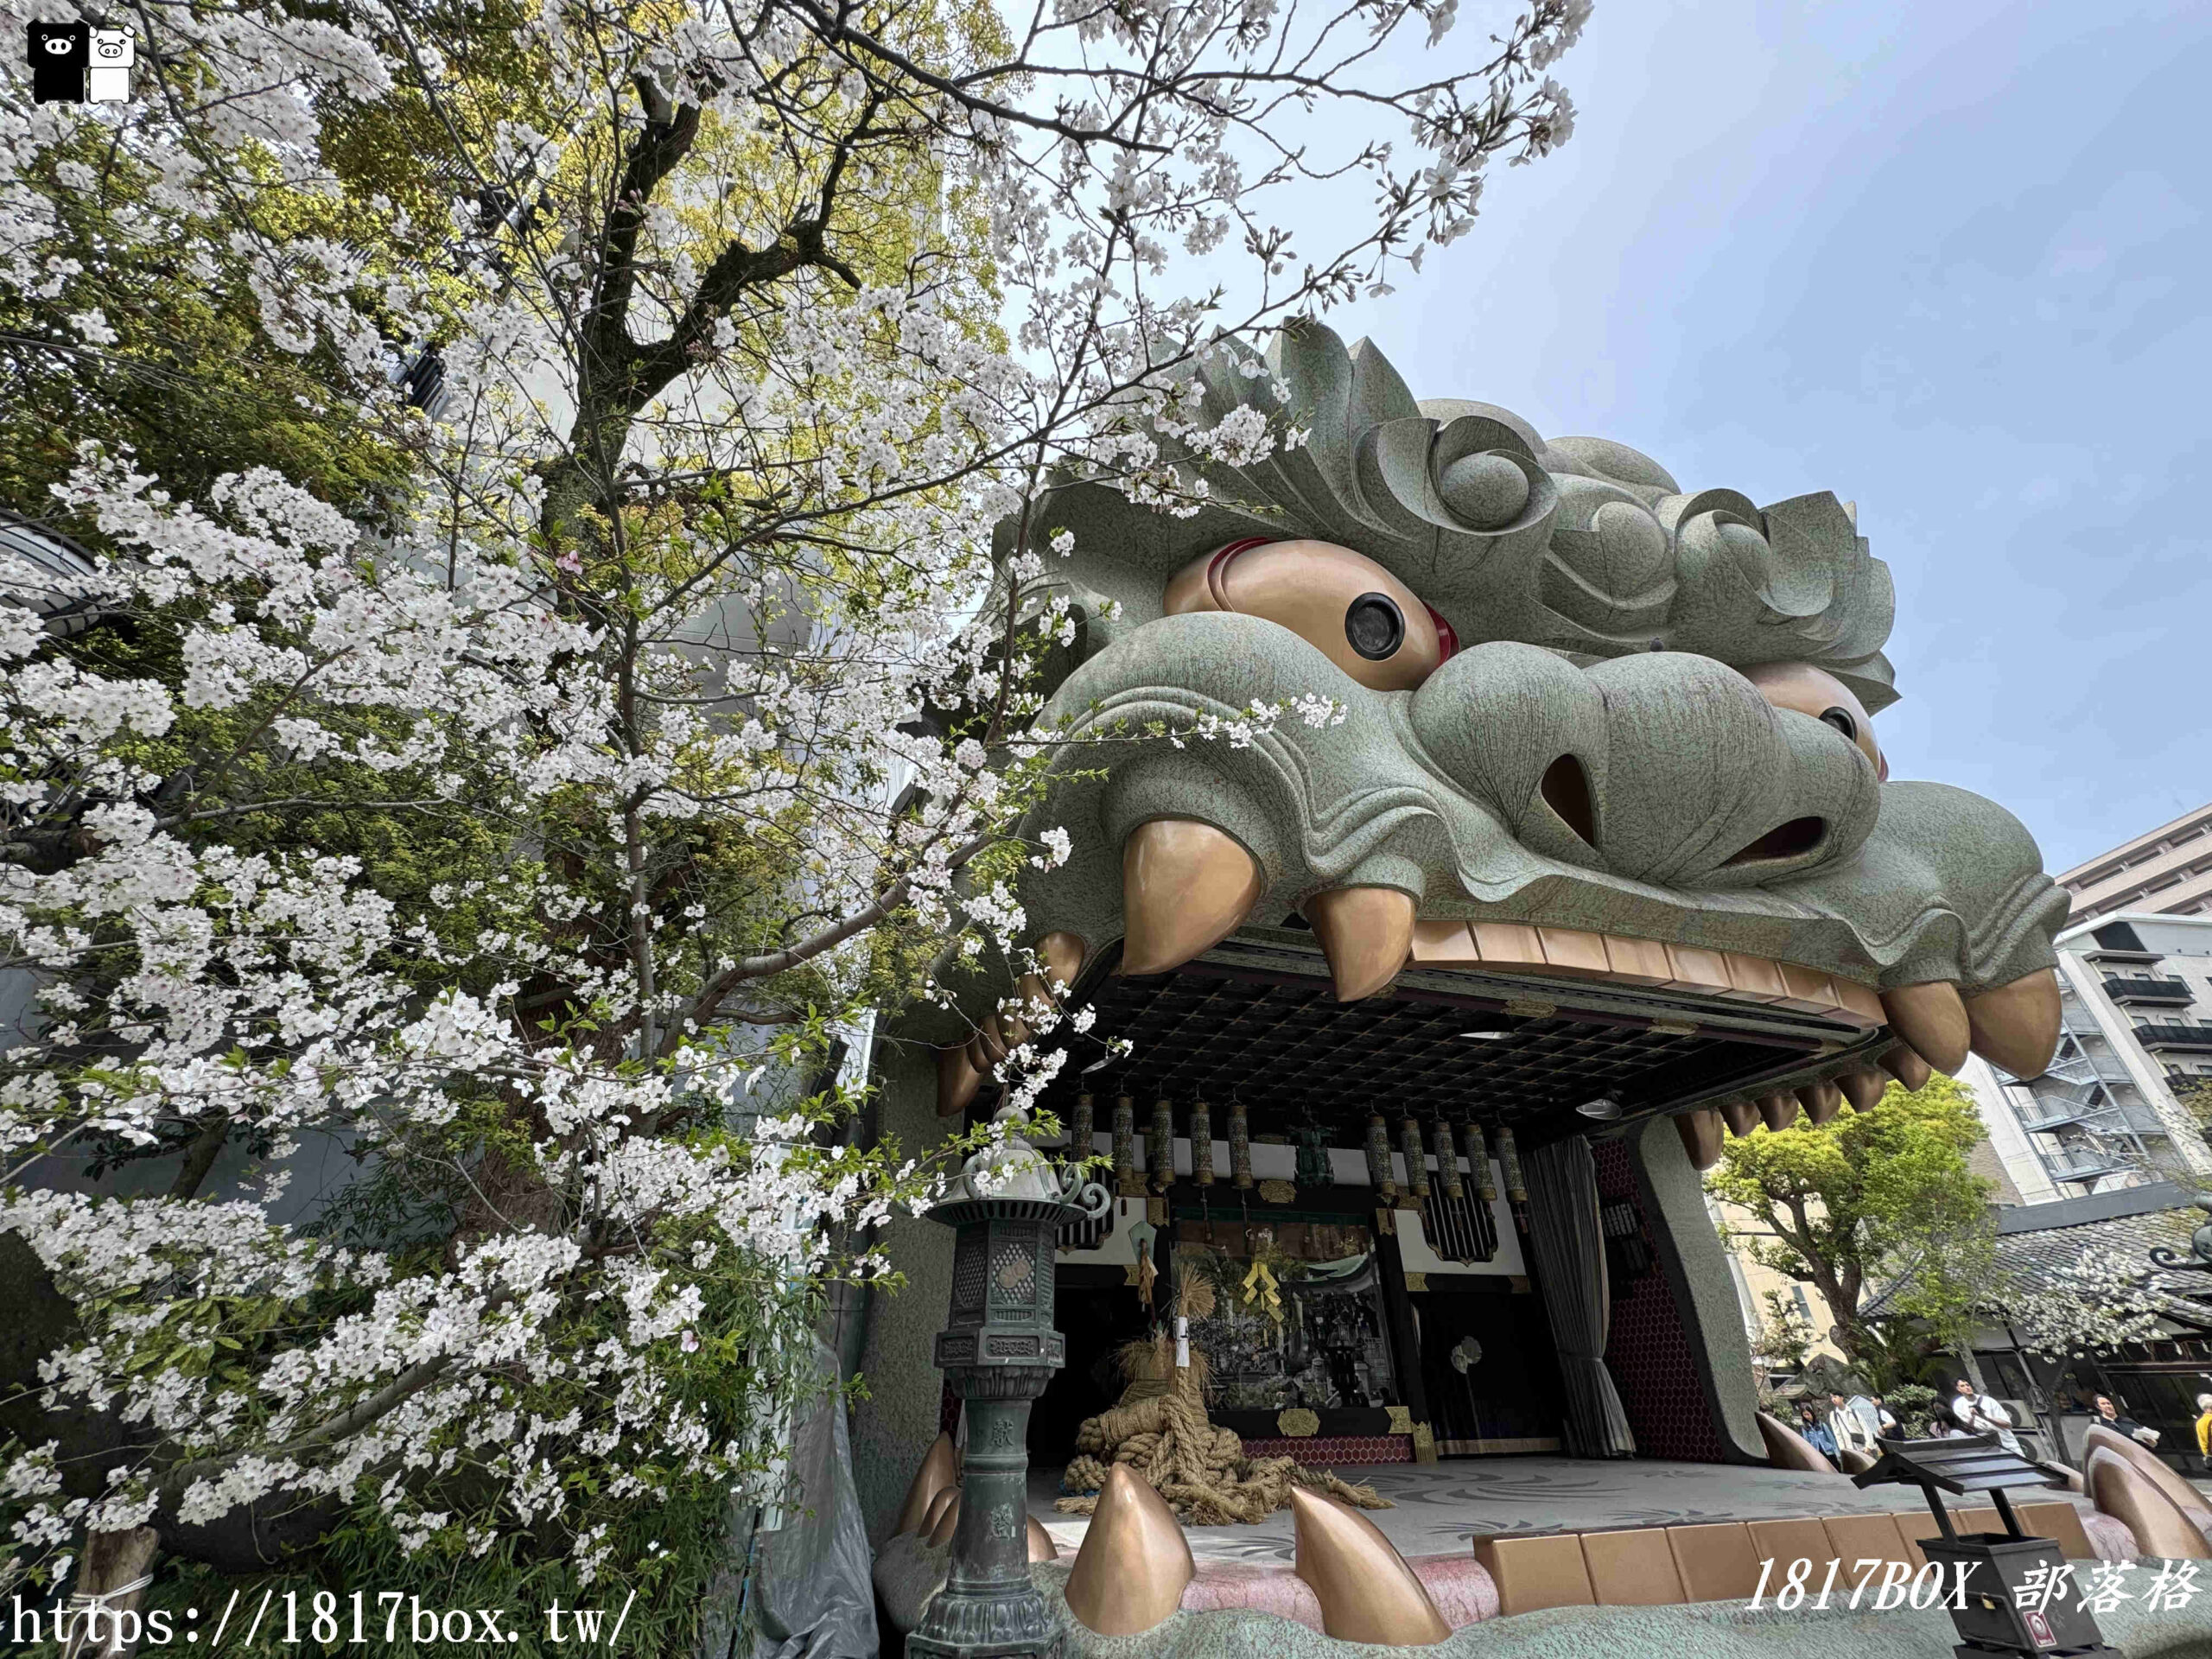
(1809, 690)
(1355, 612)
(1376, 626)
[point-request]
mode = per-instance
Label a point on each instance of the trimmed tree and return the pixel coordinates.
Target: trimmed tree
(1880, 1204)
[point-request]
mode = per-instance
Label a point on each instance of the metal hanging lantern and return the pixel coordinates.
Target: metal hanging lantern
(998, 1351)
(1509, 1161)
(1127, 1181)
(1240, 1147)
(1160, 1145)
(1448, 1162)
(1082, 1128)
(1478, 1160)
(1201, 1144)
(1379, 1175)
(1416, 1157)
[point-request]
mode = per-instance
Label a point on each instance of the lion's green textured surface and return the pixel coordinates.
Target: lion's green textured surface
(1434, 791)
(1594, 548)
(1603, 617)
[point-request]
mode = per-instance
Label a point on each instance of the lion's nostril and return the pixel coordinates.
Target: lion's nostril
(1784, 840)
(1565, 788)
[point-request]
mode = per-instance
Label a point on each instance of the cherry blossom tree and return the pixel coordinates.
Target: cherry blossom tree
(512, 830)
(2096, 1298)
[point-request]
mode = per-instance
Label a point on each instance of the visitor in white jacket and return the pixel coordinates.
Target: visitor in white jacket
(1982, 1414)
(1848, 1425)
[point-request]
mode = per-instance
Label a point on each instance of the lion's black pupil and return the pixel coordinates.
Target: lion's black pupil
(1841, 720)
(1374, 625)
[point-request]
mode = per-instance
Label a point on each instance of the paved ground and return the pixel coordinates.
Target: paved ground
(1442, 1506)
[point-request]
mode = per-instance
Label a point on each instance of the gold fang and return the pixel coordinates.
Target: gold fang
(1367, 1592)
(1134, 1563)
(935, 1476)
(2016, 1026)
(1185, 886)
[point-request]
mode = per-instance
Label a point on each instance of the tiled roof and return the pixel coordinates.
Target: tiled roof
(2040, 1257)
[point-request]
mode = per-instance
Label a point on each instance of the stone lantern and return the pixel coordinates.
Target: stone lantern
(999, 1350)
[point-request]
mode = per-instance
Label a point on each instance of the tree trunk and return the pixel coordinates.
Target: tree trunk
(200, 1157)
(111, 1583)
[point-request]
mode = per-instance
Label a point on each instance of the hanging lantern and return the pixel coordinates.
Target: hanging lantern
(1417, 1158)
(1160, 1145)
(1478, 1160)
(1448, 1162)
(1201, 1144)
(1508, 1160)
(1083, 1129)
(1240, 1145)
(1378, 1158)
(1125, 1147)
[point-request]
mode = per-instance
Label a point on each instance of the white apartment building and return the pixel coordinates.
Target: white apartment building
(2138, 1026)
(2167, 872)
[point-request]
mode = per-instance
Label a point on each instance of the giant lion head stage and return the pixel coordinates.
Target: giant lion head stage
(1588, 722)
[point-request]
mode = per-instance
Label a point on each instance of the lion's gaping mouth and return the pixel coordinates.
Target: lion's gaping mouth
(1587, 726)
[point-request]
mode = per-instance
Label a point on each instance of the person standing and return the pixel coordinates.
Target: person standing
(1847, 1426)
(2204, 1432)
(1982, 1414)
(1887, 1418)
(1816, 1432)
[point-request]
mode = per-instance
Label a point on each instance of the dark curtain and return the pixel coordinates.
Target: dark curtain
(1569, 1247)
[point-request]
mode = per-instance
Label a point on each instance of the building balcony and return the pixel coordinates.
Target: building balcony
(2108, 1117)
(2081, 1070)
(2083, 1166)
(2061, 1119)
(2063, 1096)
(2161, 1035)
(2135, 989)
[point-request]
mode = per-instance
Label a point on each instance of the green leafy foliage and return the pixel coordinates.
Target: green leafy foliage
(1879, 1203)
(1786, 1336)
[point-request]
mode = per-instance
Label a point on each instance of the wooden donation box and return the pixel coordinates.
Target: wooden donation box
(2018, 1599)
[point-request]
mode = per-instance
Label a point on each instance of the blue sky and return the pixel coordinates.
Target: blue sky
(1952, 261)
